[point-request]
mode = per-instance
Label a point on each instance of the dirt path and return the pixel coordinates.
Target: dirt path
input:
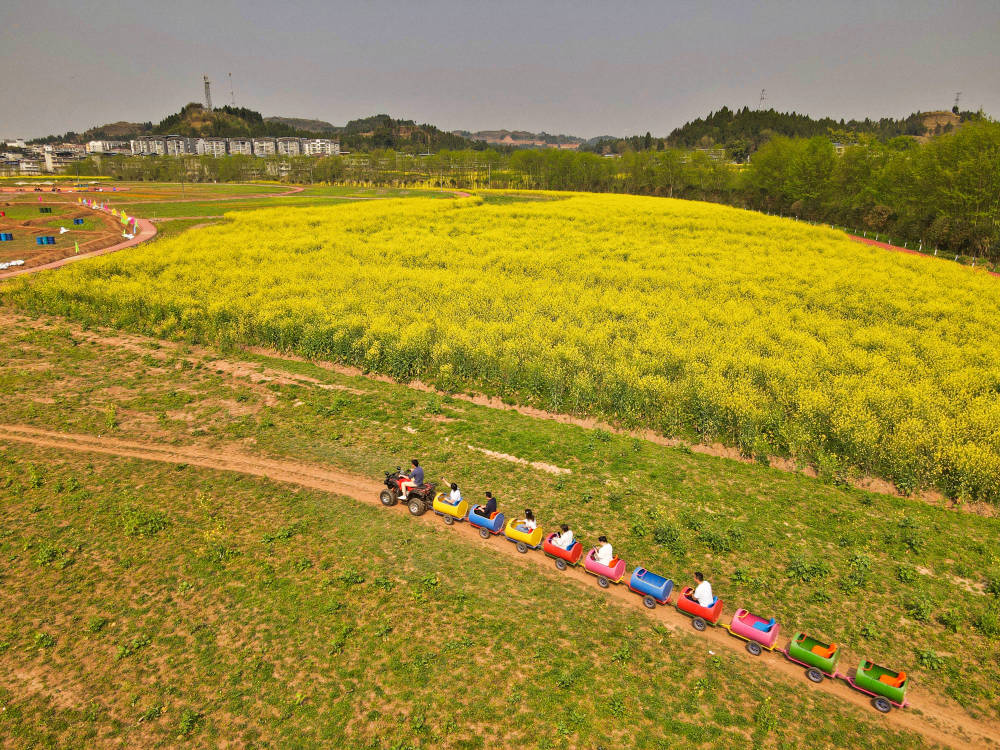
(936, 720)
(908, 251)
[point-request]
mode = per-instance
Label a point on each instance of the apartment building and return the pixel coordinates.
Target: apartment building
(149, 145)
(106, 147)
(242, 146)
(178, 145)
(210, 147)
(290, 146)
(264, 147)
(320, 147)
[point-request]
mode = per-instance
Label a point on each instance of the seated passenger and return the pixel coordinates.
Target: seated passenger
(605, 554)
(528, 523)
(703, 591)
(455, 496)
(563, 540)
(489, 508)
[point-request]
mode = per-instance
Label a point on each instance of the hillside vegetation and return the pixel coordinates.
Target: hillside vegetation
(693, 319)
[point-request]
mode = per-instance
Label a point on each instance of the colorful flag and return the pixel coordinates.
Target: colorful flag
(77, 246)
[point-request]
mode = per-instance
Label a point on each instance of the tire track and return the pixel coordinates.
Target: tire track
(936, 721)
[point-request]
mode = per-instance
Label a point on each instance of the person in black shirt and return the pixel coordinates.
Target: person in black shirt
(490, 508)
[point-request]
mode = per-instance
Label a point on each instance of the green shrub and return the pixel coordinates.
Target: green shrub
(987, 622)
(919, 608)
(139, 522)
(805, 571)
(951, 619)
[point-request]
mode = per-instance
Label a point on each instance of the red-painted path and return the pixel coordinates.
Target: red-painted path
(887, 246)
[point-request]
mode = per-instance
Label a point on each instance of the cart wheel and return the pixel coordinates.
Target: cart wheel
(699, 624)
(388, 499)
(561, 564)
(814, 674)
(416, 508)
(882, 705)
(484, 533)
(649, 601)
(449, 520)
(522, 547)
(753, 648)
(603, 582)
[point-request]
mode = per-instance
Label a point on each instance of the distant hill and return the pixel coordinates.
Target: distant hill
(384, 132)
(746, 129)
(115, 130)
(301, 123)
(741, 132)
(520, 138)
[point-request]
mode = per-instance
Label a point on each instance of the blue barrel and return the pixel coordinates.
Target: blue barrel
(5, 237)
(78, 221)
(645, 582)
(484, 523)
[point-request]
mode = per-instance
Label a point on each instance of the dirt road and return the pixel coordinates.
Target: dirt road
(934, 719)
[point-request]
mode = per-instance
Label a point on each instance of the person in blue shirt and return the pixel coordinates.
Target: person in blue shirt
(415, 479)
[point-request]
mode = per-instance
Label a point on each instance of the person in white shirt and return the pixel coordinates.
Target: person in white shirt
(563, 540)
(703, 591)
(455, 496)
(528, 523)
(605, 554)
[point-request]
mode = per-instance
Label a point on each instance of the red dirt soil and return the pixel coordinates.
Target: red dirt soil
(937, 720)
(908, 251)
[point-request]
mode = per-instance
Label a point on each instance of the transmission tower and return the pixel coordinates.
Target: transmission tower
(763, 97)
(232, 95)
(957, 95)
(208, 94)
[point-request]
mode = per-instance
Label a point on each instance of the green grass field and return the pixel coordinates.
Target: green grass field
(165, 606)
(910, 585)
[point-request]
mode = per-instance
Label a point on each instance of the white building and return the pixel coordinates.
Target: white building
(289, 146)
(178, 145)
(264, 147)
(320, 147)
(242, 146)
(210, 147)
(149, 145)
(104, 147)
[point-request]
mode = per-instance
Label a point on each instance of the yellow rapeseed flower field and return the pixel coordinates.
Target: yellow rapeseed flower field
(694, 319)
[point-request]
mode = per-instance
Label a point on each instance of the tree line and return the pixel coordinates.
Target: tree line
(944, 193)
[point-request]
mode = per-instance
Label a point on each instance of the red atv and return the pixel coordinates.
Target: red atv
(418, 499)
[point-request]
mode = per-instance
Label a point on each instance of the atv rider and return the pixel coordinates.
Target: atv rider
(415, 479)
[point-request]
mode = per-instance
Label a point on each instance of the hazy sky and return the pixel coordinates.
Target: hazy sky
(584, 68)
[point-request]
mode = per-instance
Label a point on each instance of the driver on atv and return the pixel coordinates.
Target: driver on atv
(416, 479)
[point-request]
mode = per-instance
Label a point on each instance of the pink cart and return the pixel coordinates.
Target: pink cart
(755, 630)
(606, 574)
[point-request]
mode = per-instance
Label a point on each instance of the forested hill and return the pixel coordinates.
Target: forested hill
(747, 129)
(383, 131)
(366, 134)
